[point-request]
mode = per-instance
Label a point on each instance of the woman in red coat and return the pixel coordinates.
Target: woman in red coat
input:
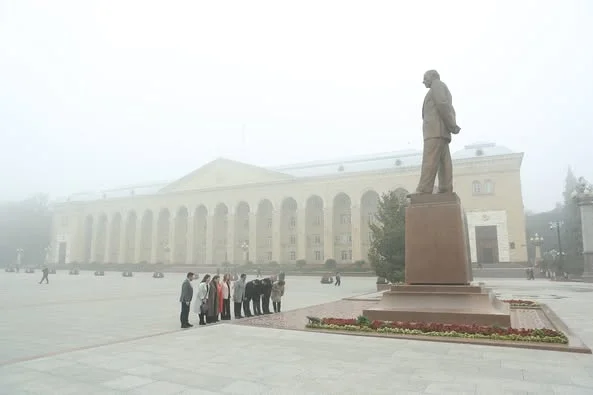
(220, 301)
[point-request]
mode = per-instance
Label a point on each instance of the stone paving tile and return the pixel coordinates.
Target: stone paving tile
(117, 309)
(281, 362)
(296, 319)
(159, 388)
(197, 391)
(127, 382)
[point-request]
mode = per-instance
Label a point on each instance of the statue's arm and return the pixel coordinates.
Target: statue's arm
(443, 104)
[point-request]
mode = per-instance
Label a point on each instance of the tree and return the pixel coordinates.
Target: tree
(331, 263)
(572, 237)
(25, 225)
(388, 248)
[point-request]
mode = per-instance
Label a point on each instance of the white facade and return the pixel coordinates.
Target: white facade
(227, 210)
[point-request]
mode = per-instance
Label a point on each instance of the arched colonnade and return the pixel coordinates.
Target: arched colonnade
(285, 231)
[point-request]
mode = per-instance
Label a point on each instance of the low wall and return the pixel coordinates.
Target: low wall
(138, 268)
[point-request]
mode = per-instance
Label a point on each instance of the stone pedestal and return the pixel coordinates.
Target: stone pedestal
(437, 248)
(446, 304)
(438, 271)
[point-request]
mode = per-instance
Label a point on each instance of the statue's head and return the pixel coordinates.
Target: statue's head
(430, 76)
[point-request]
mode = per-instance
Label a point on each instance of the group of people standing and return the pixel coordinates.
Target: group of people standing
(213, 299)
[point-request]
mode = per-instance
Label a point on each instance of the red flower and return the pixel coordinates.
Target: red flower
(520, 302)
(439, 327)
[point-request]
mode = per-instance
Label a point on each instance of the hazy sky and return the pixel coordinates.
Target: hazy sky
(101, 94)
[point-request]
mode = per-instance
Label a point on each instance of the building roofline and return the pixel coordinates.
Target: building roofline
(352, 159)
(462, 161)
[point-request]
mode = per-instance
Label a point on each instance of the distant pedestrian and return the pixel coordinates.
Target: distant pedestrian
(338, 280)
(187, 293)
(45, 277)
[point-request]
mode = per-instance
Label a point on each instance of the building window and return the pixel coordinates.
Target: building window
(345, 219)
(317, 220)
(344, 239)
(269, 223)
(292, 239)
(292, 256)
(269, 256)
(269, 241)
(488, 187)
(346, 255)
(316, 240)
(292, 224)
(476, 187)
(317, 255)
(512, 245)
(371, 218)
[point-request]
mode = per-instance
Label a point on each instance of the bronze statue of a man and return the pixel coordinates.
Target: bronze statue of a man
(438, 116)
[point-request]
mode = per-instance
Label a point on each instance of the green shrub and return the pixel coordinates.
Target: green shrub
(301, 263)
(331, 263)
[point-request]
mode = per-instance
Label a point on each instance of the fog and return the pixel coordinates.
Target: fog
(103, 94)
(109, 287)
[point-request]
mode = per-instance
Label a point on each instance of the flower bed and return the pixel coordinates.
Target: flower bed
(522, 303)
(363, 324)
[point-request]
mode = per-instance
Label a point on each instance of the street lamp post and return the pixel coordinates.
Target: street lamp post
(19, 258)
(47, 252)
(537, 241)
(557, 225)
(583, 195)
(245, 248)
(167, 250)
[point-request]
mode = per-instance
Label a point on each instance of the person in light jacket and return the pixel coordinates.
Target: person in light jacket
(239, 295)
(277, 294)
(200, 305)
(226, 297)
(187, 293)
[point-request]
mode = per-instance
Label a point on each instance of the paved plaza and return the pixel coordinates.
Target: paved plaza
(114, 335)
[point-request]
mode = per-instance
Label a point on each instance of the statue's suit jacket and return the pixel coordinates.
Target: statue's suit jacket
(438, 114)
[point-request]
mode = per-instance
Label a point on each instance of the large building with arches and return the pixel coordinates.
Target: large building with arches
(227, 211)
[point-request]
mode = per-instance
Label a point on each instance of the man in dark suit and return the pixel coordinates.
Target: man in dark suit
(266, 292)
(249, 295)
(187, 293)
(256, 297)
(438, 123)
